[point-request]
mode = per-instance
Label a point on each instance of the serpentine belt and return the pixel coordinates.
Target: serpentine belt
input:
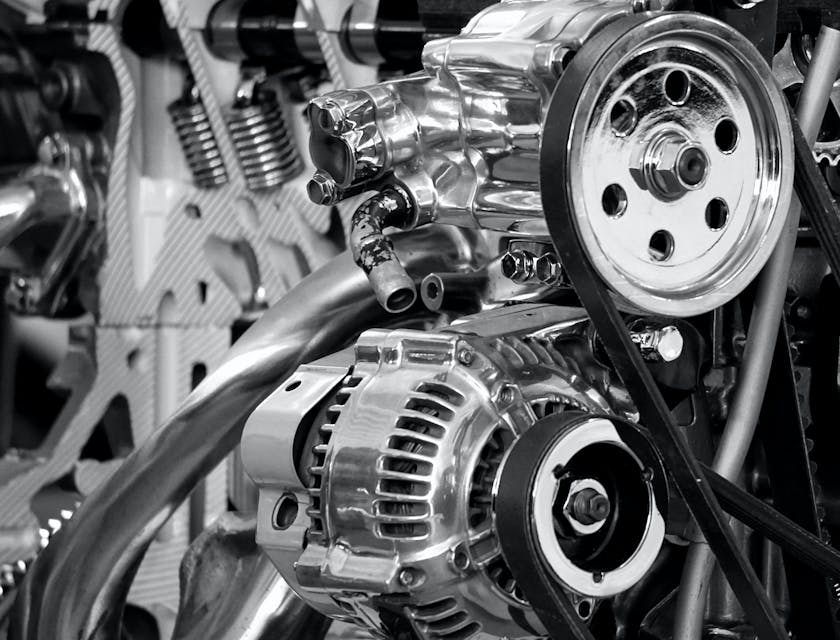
(542, 590)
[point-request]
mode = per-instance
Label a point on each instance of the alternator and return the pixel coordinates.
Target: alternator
(387, 520)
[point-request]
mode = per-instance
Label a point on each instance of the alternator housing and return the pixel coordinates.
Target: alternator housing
(396, 446)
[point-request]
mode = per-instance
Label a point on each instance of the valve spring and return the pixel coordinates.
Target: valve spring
(201, 150)
(265, 148)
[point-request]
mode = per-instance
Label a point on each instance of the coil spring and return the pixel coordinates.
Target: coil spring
(266, 150)
(201, 150)
(12, 573)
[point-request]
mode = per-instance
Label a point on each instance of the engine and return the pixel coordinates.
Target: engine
(674, 155)
(538, 340)
(387, 517)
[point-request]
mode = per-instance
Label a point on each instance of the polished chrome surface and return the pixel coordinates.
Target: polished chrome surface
(404, 435)
(668, 237)
(15, 203)
(598, 432)
(462, 137)
(64, 191)
(315, 318)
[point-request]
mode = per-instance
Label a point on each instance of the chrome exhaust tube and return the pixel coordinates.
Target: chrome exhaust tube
(78, 586)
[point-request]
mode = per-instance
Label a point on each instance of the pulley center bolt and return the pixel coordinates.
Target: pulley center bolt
(692, 167)
(589, 506)
(673, 166)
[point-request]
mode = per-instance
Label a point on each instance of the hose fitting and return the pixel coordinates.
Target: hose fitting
(374, 252)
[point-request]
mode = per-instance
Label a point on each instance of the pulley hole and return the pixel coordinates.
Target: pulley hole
(717, 213)
(677, 87)
(623, 117)
(285, 512)
(293, 385)
(726, 136)
(192, 211)
(614, 200)
(584, 609)
(661, 246)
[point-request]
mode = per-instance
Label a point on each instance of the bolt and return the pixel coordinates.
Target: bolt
(674, 165)
(407, 577)
(518, 265)
(692, 167)
(659, 344)
(589, 506)
(598, 576)
(548, 269)
(329, 116)
(507, 394)
(322, 189)
(465, 357)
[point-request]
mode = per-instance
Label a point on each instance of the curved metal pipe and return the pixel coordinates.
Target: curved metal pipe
(78, 585)
(15, 202)
(229, 586)
(761, 341)
(374, 252)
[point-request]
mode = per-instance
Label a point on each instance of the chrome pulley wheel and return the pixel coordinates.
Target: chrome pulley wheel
(672, 146)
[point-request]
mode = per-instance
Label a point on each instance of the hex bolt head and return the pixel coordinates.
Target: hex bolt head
(518, 265)
(465, 357)
(407, 577)
(548, 269)
(322, 189)
(664, 344)
(675, 166)
(329, 116)
(589, 506)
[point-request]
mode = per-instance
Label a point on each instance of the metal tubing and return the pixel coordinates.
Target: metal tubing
(231, 590)
(99, 550)
(761, 341)
(374, 252)
(15, 202)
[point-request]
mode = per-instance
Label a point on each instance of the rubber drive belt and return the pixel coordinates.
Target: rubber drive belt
(678, 458)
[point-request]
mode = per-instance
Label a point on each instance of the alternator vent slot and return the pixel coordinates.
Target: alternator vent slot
(319, 454)
(413, 444)
(409, 530)
(430, 406)
(442, 391)
(421, 425)
(392, 487)
(443, 620)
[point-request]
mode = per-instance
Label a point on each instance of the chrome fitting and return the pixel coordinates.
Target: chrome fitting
(548, 269)
(322, 189)
(659, 344)
(519, 265)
